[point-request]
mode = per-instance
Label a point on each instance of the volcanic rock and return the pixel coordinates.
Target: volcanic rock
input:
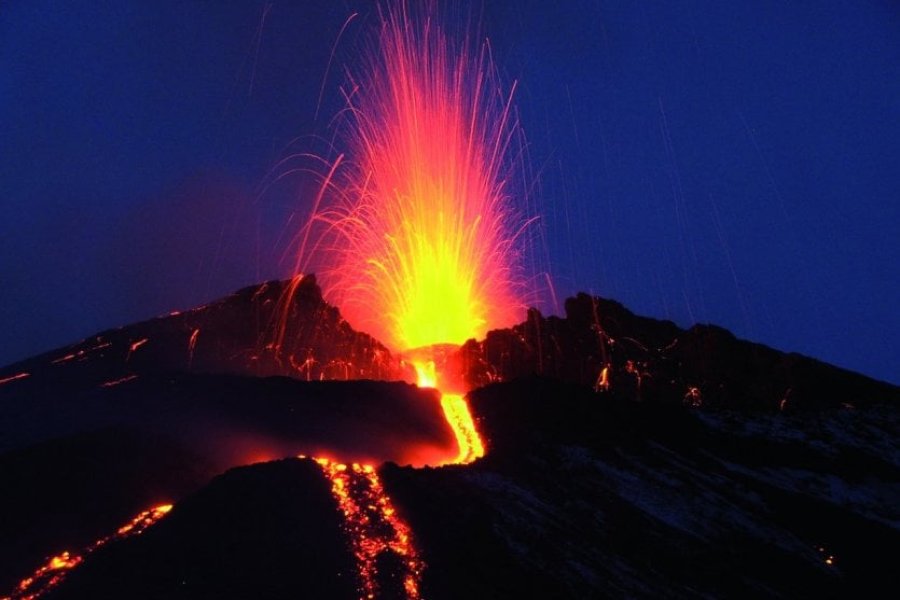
(269, 531)
(586, 496)
(654, 361)
(626, 457)
(274, 328)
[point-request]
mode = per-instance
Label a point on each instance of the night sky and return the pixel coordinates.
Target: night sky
(703, 161)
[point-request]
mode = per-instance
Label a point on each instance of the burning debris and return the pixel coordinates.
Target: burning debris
(424, 240)
(119, 381)
(15, 377)
(602, 344)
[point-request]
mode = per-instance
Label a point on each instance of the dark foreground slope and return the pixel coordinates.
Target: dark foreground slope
(266, 532)
(583, 496)
(113, 452)
(579, 497)
(274, 328)
(96, 432)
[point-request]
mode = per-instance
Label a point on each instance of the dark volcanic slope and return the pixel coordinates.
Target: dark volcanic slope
(66, 493)
(94, 433)
(580, 496)
(86, 463)
(583, 496)
(271, 531)
(239, 334)
(656, 361)
(699, 465)
(233, 419)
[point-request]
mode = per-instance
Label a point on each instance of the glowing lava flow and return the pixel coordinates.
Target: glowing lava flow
(419, 246)
(456, 411)
(419, 241)
(374, 528)
(52, 573)
(370, 518)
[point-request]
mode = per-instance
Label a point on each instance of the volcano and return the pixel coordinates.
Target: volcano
(189, 456)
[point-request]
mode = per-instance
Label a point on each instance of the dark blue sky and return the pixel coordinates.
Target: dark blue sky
(734, 163)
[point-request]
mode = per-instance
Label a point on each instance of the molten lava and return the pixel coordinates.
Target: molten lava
(456, 411)
(119, 381)
(374, 528)
(134, 347)
(419, 243)
(52, 573)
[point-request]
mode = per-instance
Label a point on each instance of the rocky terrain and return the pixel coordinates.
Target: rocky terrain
(626, 458)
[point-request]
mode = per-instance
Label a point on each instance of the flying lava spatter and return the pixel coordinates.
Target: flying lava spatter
(51, 574)
(415, 237)
(15, 377)
(413, 232)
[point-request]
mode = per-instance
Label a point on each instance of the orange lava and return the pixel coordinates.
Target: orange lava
(138, 344)
(373, 525)
(63, 359)
(134, 347)
(52, 573)
(81, 354)
(416, 237)
(15, 377)
(456, 411)
(119, 381)
(459, 417)
(192, 344)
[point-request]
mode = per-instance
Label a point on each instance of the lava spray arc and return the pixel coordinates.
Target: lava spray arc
(414, 234)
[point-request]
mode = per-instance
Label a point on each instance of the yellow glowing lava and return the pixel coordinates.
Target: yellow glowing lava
(425, 375)
(418, 238)
(371, 521)
(456, 411)
(457, 414)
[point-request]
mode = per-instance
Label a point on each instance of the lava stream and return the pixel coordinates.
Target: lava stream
(374, 528)
(457, 414)
(54, 571)
(456, 411)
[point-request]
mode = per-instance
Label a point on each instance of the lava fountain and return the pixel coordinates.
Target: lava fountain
(414, 234)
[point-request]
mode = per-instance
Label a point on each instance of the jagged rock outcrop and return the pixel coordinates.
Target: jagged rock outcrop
(657, 362)
(274, 328)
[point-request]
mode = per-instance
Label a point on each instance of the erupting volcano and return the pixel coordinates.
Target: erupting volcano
(416, 238)
(470, 449)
